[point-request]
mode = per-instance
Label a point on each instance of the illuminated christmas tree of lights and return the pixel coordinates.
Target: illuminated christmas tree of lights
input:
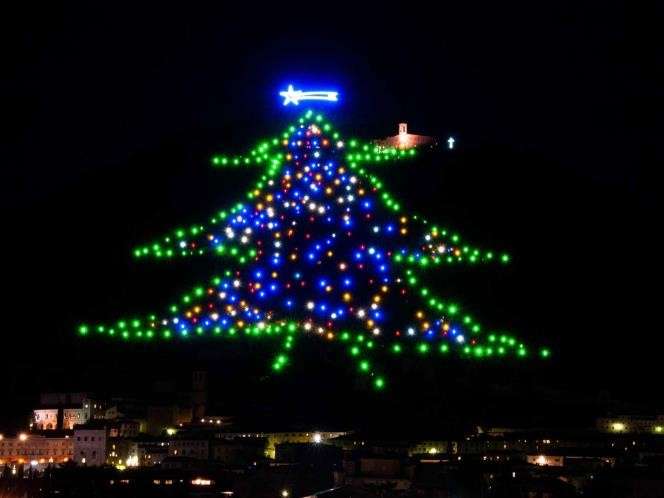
(319, 248)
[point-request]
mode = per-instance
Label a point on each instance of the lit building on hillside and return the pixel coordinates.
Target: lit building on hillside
(45, 419)
(38, 451)
(90, 445)
(405, 140)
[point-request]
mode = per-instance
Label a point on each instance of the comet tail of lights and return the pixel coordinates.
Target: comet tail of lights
(292, 96)
(319, 249)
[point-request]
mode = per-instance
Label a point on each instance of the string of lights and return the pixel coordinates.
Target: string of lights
(320, 248)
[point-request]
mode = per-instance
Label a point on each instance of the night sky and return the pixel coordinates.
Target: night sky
(110, 115)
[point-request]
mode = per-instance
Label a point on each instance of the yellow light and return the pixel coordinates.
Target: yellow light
(171, 431)
(618, 426)
(432, 451)
(201, 482)
(541, 460)
(284, 493)
(658, 428)
(23, 437)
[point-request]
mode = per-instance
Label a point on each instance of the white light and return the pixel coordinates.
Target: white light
(450, 143)
(295, 96)
(317, 438)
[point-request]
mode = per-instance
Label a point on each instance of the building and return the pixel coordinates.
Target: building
(45, 419)
(90, 445)
(239, 452)
(36, 450)
(151, 453)
(62, 399)
(122, 453)
(74, 416)
(276, 438)
(61, 411)
(198, 394)
(309, 454)
(369, 472)
(405, 140)
(123, 428)
(191, 446)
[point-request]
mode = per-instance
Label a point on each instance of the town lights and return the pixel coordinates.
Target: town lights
(317, 438)
(22, 437)
(284, 493)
